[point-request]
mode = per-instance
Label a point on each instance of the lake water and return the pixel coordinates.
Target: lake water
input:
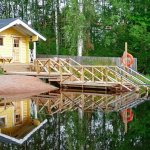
(78, 121)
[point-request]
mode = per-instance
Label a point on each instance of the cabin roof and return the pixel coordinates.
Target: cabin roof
(20, 26)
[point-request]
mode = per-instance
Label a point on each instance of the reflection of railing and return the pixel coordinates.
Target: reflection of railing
(86, 101)
(128, 100)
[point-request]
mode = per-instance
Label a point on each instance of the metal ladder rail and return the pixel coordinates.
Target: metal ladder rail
(139, 82)
(121, 101)
(135, 78)
(128, 96)
(131, 105)
(124, 78)
(121, 97)
(137, 73)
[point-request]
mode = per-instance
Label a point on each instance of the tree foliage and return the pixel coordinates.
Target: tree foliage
(105, 24)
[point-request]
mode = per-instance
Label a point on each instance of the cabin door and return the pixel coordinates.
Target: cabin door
(16, 49)
(17, 113)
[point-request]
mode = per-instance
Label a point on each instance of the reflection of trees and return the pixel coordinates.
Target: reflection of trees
(95, 131)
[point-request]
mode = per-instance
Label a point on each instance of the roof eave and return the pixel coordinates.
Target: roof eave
(19, 22)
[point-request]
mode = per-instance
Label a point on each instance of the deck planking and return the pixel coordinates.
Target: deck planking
(110, 86)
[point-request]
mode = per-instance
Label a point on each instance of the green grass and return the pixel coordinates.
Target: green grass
(147, 76)
(1, 71)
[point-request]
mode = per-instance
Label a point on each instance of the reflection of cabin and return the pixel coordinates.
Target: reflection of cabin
(15, 36)
(13, 116)
(16, 122)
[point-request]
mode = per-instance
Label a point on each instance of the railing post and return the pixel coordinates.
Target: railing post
(102, 74)
(92, 74)
(59, 65)
(60, 70)
(48, 66)
(106, 75)
(71, 71)
(82, 74)
(37, 66)
(116, 74)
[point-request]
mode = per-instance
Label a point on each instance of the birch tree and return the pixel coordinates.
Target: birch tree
(80, 36)
(77, 24)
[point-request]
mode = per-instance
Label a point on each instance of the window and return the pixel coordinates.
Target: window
(18, 118)
(1, 41)
(16, 42)
(2, 122)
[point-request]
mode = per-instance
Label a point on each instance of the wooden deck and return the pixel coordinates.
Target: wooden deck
(112, 87)
(70, 74)
(54, 76)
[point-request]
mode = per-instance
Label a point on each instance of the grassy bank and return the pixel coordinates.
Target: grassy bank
(147, 76)
(1, 71)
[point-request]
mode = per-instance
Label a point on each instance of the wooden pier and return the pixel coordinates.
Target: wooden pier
(70, 74)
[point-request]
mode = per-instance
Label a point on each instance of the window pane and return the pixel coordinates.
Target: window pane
(16, 42)
(2, 122)
(1, 41)
(18, 118)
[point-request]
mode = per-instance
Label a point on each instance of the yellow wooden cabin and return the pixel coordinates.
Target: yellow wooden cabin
(15, 36)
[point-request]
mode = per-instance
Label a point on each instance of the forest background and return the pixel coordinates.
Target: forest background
(100, 27)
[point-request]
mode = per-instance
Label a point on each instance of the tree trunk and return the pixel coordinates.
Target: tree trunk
(80, 36)
(56, 26)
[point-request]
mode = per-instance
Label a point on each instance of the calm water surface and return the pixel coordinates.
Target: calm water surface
(79, 121)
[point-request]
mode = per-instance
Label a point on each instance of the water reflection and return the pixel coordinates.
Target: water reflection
(17, 120)
(64, 101)
(78, 121)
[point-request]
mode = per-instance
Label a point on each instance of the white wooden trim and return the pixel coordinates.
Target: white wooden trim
(20, 43)
(13, 117)
(12, 45)
(22, 110)
(21, 141)
(19, 22)
(34, 50)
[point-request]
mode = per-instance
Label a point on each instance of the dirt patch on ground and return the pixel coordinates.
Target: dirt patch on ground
(18, 86)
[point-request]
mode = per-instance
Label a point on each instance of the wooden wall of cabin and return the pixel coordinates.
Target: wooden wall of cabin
(6, 50)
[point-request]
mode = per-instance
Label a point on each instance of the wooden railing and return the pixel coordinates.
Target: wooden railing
(93, 60)
(88, 73)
